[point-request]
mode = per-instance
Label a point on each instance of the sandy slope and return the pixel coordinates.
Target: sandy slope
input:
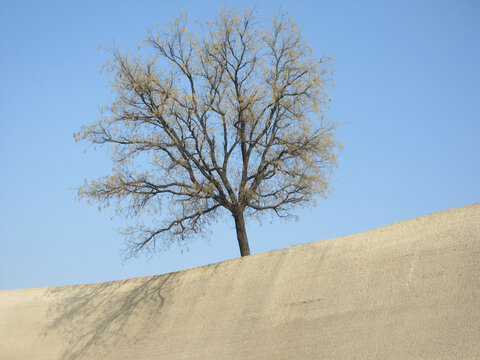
(410, 290)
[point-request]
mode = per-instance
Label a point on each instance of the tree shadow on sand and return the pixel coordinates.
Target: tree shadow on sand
(96, 318)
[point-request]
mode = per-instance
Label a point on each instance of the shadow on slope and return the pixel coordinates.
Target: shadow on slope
(98, 317)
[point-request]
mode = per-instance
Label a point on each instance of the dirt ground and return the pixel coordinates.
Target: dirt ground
(410, 290)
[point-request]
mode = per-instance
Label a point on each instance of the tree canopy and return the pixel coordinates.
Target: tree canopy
(226, 120)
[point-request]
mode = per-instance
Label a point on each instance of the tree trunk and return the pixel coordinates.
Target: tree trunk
(241, 234)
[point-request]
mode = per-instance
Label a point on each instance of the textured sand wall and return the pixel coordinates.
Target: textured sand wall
(409, 290)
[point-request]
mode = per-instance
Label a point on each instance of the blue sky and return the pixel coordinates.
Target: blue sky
(407, 103)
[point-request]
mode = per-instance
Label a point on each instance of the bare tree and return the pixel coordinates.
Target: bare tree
(231, 120)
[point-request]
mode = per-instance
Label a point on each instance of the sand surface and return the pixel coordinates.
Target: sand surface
(409, 290)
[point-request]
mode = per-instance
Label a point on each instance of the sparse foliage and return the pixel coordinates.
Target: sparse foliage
(228, 121)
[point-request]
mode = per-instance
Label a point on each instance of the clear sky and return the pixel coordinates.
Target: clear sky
(407, 103)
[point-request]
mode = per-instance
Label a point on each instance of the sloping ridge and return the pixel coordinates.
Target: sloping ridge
(409, 290)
